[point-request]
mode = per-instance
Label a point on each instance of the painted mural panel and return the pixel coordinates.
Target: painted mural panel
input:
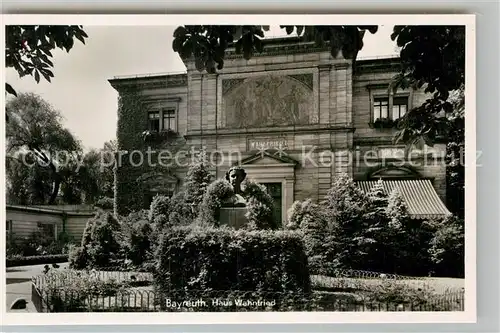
(268, 101)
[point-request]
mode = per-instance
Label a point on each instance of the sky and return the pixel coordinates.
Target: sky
(80, 89)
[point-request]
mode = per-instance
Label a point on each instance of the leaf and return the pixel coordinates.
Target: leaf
(289, 29)
(180, 32)
(80, 38)
(46, 76)
(37, 77)
(265, 27)
(300, 29)
(10, 90)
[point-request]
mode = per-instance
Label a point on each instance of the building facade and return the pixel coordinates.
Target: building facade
(293, 116)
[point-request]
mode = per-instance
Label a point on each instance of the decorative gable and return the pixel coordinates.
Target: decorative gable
(269, 159)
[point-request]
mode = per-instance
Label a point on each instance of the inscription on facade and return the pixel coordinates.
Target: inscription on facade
(273, 143)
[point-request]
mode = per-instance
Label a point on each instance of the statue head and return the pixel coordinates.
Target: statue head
(235, 176)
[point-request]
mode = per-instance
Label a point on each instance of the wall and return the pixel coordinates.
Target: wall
(334, 115)
(25, 221)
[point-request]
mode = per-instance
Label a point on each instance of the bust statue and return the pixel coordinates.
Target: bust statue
(235, 176)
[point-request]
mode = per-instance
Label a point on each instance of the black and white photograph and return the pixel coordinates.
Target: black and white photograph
(310, 168)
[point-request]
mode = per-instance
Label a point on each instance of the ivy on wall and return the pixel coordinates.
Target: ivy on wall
(130, 193)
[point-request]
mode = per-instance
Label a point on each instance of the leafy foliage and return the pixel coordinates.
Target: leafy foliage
(28, 49)
(207, 43)
(137, 240)
(434, 57)
(447, 248)
(35, 126)
(259, 206)
(101, 243)
(198, 179)
(217, 192)
(319, 239)
(207, 258)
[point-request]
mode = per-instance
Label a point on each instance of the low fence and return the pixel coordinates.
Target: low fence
(228, 301)
(119, 291)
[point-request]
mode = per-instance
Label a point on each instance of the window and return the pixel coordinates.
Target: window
(380, 108)
(169, 122)
(48, 230)
(154, 121)
(399, 107)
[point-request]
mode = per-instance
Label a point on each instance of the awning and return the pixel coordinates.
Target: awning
(419, 195)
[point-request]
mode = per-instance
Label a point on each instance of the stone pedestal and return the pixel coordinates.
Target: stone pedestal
(233, 216)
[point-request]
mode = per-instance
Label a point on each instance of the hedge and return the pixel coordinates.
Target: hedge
(207, 258)
(36, 260)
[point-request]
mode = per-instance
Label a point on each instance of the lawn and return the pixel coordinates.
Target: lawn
(437, 285)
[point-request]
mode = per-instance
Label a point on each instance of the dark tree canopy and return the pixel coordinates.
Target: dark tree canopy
(28, 48)
(433, 58)
(208, 43)
(36, 127)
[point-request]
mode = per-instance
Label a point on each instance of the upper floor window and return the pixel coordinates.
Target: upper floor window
(154, 121)
(380, 108)
(163, 120)
(399, 107)
(169, 120)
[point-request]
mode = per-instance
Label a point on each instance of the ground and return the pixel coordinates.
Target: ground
(19, 284)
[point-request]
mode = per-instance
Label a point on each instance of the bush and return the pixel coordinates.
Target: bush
(137, 231)
(159, 206)
(198, 179)
(105, 203)
(447, 248)
(101, 243)
(181, 212)
(259, 206)
(78, 258)
(217, 192)
(36, 260)
(319, 239)
(206, 258)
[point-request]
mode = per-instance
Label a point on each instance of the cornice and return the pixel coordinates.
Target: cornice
(270, 130)
(152, 82)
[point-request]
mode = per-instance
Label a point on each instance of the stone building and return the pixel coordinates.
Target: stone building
(294, 116)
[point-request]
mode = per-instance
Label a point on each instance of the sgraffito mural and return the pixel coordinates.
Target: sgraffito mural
(268, 101)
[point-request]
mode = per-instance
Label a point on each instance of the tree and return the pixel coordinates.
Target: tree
(197, 180)
(208, 43)
(28, 48)
(28, 183)
(432, 57)
(36, 127)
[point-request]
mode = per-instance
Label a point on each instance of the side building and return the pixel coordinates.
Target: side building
(293, 116)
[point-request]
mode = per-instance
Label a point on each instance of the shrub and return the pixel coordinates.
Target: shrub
(105, 203)
(259, 206)
(198, 179)
(217, 192)
(207, 258)
(36, 260)
(159, 206)
(137, 231)
(78, 258)
(319, 239)
(181, 212)
(346, 206)
(447, 248)
(101, 243)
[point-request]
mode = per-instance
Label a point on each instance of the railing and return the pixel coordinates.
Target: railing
(231, 301)
(124, 291)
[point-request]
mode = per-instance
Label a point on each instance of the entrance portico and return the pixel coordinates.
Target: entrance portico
(271, 170)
